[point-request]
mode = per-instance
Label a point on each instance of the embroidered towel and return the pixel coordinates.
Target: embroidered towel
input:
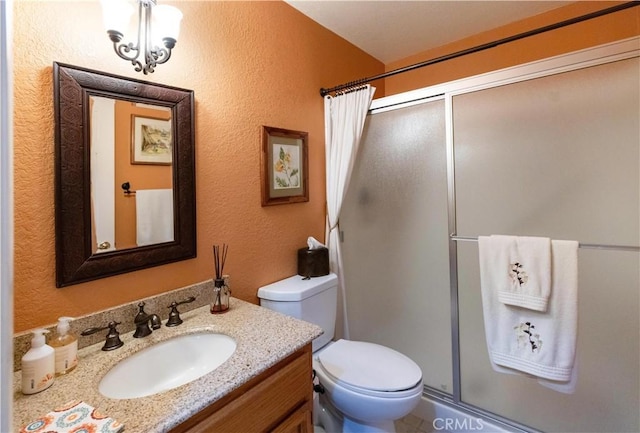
(539, 343)
(520, 269)
(75, 416)
(565, 387)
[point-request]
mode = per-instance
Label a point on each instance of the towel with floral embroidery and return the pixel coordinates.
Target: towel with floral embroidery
(520, 269)
(542, 344)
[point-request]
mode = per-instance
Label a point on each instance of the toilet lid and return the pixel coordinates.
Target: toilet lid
(369, 366)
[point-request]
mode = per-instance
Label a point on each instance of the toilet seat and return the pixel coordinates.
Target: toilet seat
(370, 368)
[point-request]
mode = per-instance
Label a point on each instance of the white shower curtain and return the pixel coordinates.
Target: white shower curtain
(344, 117)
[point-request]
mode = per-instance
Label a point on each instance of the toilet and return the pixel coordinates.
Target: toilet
(366, 386)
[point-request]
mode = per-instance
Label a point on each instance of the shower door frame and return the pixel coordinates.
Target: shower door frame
(602, 54)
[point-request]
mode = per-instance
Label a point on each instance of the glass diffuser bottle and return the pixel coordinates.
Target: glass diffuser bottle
(221, 291)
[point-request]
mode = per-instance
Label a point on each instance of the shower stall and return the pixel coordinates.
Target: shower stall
(546, 149)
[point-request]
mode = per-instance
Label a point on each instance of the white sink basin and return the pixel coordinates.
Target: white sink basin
(167, 365)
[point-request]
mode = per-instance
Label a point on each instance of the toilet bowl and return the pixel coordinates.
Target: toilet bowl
(366, 386)
(370, 385)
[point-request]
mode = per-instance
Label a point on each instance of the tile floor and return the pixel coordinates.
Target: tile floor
(413, 424)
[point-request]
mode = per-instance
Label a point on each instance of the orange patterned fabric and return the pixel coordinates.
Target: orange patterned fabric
(74, 417)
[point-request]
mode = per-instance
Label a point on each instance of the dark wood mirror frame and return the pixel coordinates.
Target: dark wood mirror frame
(75, 261)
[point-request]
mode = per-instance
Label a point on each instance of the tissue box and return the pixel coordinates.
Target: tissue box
(313, 263)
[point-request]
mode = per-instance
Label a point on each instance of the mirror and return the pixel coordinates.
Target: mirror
(125, 174)
(130, 145)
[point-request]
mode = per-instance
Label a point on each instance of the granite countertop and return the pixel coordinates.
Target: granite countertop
(263, 338)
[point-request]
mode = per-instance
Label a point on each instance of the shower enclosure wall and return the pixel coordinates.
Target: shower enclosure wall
(549, 149)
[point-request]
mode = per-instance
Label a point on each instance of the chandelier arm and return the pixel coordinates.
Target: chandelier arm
(138, 65)
(156, 57)
(148, 68)
(122, 50)
(161, 55)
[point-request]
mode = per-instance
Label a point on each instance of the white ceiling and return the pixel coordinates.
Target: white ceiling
(393, 30)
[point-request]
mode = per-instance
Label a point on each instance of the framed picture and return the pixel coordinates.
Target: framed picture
(151, 141)
(284, 167)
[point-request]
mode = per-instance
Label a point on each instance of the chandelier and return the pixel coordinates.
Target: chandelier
(158, 28)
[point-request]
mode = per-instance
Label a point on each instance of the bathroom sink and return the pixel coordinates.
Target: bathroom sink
(166, 365)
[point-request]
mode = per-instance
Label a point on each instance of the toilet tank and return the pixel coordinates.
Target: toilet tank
(313, 300)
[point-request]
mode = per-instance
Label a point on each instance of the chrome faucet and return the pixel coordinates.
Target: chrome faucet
(145, 323)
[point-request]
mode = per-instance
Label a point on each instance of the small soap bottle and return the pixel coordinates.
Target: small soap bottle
(65, 345)
(38, 365)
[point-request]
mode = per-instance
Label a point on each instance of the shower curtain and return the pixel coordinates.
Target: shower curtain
(344, 116)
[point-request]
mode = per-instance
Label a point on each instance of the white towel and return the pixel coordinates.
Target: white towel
(154, 216)
(520, 269)
(566, 387)
(542, 344)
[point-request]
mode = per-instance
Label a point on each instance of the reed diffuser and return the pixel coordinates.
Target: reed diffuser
(221, 289)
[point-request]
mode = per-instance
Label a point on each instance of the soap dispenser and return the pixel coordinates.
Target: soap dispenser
(38, 365)
(65, 345)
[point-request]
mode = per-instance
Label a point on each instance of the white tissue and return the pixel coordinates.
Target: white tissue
(314, 244)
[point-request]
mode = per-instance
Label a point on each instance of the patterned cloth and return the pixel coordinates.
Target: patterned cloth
(74, 417)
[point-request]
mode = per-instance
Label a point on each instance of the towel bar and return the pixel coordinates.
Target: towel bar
(126, 187)
(454, 237)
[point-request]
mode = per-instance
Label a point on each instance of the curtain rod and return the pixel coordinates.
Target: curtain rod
(324, 92)
(581, 245)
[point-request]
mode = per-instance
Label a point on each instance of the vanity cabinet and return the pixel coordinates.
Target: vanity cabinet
(278, 400)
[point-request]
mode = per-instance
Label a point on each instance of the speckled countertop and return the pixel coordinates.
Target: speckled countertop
(263, 338)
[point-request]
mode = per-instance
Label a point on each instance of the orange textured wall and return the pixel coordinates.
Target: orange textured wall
(250, 64)
(597, 31)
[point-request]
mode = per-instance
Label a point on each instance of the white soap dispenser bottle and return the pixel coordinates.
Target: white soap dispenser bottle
(38, 365)
(65, 345)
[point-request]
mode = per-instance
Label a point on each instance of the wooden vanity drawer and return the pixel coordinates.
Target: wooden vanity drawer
(279, 399)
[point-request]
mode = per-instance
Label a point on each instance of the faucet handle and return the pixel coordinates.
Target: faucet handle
(174, 314)
(112, 340)
(189, 300)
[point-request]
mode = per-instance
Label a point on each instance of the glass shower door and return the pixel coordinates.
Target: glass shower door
(395, 246)
(559, 157)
